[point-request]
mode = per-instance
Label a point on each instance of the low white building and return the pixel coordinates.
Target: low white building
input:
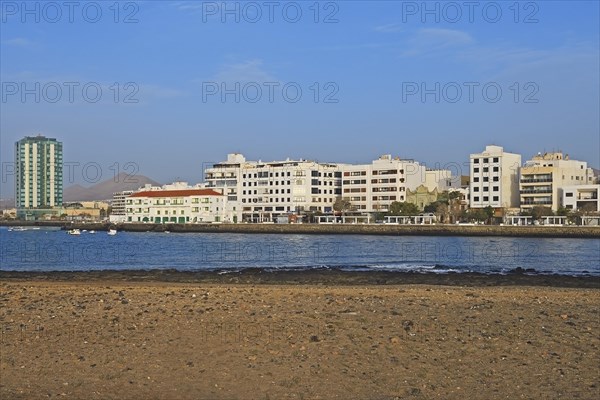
(581, 197)
(177, 205)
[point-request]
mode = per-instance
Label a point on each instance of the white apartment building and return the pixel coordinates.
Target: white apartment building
(264, 191)
(544, 175)
(494, 178)
(373, 187)
(581, 197)
(119, 206)
(177, 204)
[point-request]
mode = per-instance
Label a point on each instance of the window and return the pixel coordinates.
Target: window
(486, 179)
(569, 194)
(476, 179)
(476, 161)
(486, 198)
(476, 198)
(475, 170)
(496, 188)
(476, 189)
(486, 189)
(486, 160)
(495, 179)
(485, 169)
(495, 198)
(495, 159)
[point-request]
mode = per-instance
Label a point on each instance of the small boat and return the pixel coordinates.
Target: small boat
(92, 232)
(112, 232)
(74, 232)
(18, 229)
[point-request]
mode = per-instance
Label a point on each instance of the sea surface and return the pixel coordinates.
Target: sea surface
(50, 249)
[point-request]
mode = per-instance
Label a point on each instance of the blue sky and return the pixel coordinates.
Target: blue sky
(361, 68)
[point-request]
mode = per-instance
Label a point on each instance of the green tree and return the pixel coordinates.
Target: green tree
(538, 212)
(342, 205)
(489, 213)
(402, 208)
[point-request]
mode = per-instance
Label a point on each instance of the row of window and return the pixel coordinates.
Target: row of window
(486, 169)
(172, 202)
(487, 179)
(486, 198)
(486, 189)
(167, 212)
(485, 160)
(264, 174)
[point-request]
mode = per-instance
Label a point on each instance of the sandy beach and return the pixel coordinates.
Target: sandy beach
(110, 337)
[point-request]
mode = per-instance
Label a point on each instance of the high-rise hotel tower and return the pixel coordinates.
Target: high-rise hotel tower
(39, 173)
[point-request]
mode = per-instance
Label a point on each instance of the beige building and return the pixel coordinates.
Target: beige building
(421, 196)
(373, 187)
(494, 178)
(544, 175)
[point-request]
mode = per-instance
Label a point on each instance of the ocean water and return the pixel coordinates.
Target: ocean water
(55, 250)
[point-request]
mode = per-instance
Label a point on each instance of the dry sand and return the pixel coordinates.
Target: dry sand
(109, 339)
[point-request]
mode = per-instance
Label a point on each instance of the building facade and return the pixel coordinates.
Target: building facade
(585, 198)
(119, 206)
(176, 205)
(39, 173)
(543, 177)
(265, 191)
(374, 187)
(494, 179)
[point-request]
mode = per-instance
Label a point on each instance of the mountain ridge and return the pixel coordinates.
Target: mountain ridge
(104, 190)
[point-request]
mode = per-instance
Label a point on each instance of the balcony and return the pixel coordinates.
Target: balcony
(529, 202)
(535, 180)
(536, 191)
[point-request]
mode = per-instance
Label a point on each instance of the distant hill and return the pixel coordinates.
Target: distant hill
(104, 190)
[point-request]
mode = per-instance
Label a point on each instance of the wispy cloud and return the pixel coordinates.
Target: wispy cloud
(434, 40)
(18, 42)
(247, 71)
(389, 28)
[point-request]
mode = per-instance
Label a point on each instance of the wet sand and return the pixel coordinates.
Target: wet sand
(254, 335)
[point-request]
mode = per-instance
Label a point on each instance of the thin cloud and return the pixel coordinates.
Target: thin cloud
(434, 40)
(389, 28)
(18, 42)
(247, 71)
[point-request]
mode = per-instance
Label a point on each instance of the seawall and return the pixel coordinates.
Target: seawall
(348, 229)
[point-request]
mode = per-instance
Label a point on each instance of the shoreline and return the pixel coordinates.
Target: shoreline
(583, 232)
(305, 278)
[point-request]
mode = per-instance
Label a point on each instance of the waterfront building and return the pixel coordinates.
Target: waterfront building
(266, 191)
(374, 187)
(494, 179)
(177, 203)
(544, 176)
(119, 206)
(584, 198)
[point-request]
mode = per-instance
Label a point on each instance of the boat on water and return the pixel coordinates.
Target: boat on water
(17, 229)
(112, 232)
(74, 232)
(92, 232)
